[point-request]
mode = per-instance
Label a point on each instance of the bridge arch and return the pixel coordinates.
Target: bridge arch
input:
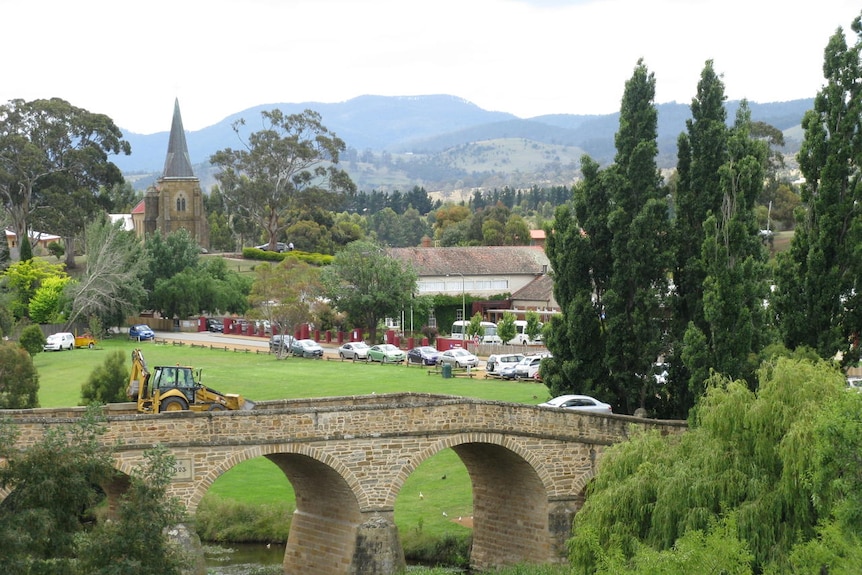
(510, 497)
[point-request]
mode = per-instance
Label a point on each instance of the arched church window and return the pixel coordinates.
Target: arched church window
(181, 203)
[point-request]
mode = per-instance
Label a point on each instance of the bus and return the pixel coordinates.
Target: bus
(459, 329)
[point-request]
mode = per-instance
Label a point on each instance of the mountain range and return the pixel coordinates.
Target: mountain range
(444, 143)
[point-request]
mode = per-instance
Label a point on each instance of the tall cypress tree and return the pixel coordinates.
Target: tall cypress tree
(818, 293)
(610, 257)
(734, 262)
(634, 303)
(701, 151)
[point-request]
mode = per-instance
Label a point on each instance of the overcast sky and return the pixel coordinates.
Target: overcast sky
(130, 59)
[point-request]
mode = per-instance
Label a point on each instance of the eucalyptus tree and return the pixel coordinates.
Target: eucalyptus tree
(291, 163)
(818, 299)
(51, 146)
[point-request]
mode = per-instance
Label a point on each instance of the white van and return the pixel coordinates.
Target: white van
(59, 342)
(497, 362)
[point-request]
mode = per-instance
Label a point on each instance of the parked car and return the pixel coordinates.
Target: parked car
(354, 350)
(215, 325)
(59, 341)
(424, 354)
(578, 402)
(528, 367)
(141, 332)
(280, 343)
(306, 348)
(279, 247)
(263, 323)
(385, 353)
(459, 357)
(497, 362)
(86, 340)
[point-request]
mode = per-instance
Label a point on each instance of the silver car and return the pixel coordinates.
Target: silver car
(578, 402)
(459, 357)
(354, 350)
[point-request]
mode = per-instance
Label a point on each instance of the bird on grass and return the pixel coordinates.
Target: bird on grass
(421, 496)
(445, 514)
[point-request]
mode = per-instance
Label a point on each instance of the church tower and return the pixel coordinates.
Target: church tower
(176, 199)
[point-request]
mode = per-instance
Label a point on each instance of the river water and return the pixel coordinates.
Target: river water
(251, 558)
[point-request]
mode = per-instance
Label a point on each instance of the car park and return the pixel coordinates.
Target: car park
(579, 403)
(279, 343)
(59, 341)
(215, 325)
(423, 355)
(385, 353)
(354, 350)
(306, 348)
(459, 357)
(141, 332)
(497, 362)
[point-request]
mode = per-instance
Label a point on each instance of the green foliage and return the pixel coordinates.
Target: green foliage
(107, 383)
(53, 493)
(534, 325)
(19, 381)
(474, 328)
(314, 259)
(25, 250)
(368, 285)
(742, 477)
(506, 327)
(23, 278)
(137, 542)
(46, 305)
(32, 339)
(219, 519)
(57, 250)
(111, 287)
(291, 164)
(817, 300)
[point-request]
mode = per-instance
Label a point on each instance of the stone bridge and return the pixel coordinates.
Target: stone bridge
(348, 457)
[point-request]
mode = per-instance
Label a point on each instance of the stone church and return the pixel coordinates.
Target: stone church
(176, 200)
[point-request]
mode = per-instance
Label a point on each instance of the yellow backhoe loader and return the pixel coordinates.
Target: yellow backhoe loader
(175, 388)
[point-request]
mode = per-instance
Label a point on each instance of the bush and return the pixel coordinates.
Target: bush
(56, 250)
(19, 382)
(222, 520)
(32, 339)
(107, 383)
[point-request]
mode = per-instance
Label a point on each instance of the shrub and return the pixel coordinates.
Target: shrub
(32, 339)
(19, 382)
(107, 383)
(57, 250)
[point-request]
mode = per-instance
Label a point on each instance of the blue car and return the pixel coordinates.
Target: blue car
(141, 332)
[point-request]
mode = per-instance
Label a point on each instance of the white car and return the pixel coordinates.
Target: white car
(528, 367)
(579, 403)
(59, 342)
(459, 357)
(497, 362)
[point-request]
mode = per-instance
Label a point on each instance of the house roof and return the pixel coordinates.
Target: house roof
(474, 261)
(540, 289)
(177, 162)
(35, 236)
(139, 209)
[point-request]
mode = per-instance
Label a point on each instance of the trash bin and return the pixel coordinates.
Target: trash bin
(446, 368)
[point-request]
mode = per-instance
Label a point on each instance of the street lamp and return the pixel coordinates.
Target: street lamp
(463, 308)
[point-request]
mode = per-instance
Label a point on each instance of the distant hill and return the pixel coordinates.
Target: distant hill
(443, 142)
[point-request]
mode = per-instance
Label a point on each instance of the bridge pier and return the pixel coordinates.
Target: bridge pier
(378, 548)
(561, 515)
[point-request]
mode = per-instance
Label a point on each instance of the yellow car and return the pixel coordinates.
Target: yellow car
(85, 340)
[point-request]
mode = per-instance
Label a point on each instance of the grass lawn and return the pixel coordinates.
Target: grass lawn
(262, 377)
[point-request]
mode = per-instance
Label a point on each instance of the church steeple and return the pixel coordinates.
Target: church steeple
(177, 162)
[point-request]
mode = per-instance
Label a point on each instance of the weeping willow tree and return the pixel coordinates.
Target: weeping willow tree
(763, 482)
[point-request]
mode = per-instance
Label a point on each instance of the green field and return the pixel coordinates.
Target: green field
(260, 376)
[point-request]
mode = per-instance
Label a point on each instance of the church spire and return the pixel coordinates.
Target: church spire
(177, 162)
